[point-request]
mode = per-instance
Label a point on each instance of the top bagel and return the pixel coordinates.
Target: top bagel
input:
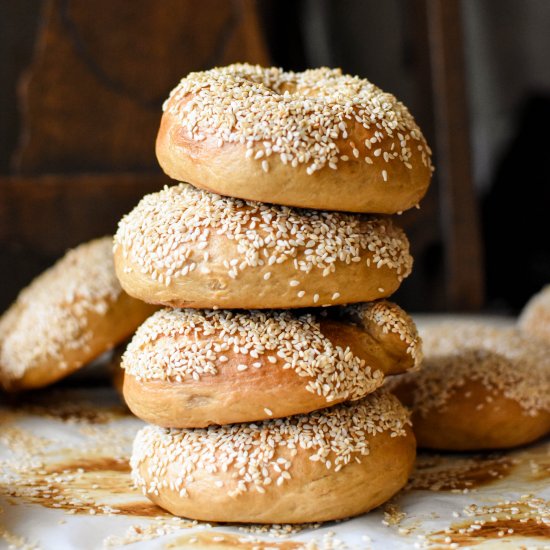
(317, 139)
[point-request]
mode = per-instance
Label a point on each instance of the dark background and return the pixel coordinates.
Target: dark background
(82, 85)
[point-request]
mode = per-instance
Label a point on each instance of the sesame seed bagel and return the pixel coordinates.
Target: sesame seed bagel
(331, 464)
(480, 387)
(69, 315)
(193, 368)
(183, 247)
(316, 139)
(535, 317)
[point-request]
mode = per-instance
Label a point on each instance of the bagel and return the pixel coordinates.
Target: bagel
(535, 317)
(193, 368)
(330, 464)
(480, 387)
(317, 139)
(183, 247)
(68, 316)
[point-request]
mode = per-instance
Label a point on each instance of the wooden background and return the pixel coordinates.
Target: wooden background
(80, 102)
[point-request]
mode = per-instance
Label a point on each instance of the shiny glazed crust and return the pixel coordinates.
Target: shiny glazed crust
(183, 370)
(331, 464)
(479, 387)
(317, 139)
(65, 318)
(183, 247)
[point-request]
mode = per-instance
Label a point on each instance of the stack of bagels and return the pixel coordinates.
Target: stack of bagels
(259, 377)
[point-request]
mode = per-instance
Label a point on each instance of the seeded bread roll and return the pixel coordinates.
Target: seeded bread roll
(535, 317)
(69, 315)
(317, 139)
(194, 368)
(480, 387)
(331, 464)
(183, 247)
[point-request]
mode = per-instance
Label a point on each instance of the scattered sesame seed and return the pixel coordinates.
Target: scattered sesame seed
(270, 114)
(248, 452)
(180, 345)
(159, 237)
(503, 360)
(50, 318)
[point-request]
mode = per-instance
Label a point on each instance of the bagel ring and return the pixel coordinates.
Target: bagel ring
(68, 316)
(193, 368)
(183, 247)
(480, 387)
(330, 464)
(317, 139)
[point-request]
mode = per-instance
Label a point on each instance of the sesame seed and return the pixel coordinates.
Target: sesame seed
(269, 412)
(196, 343)
(301, 293)
(51, 317)
(160, 236)
(502, 360)
(294, 283)
(251, 453)
(299, 129)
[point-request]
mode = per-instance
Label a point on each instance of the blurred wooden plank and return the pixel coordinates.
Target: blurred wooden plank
(459, 209)
(41, 217)
(18, 29)
(92, 97)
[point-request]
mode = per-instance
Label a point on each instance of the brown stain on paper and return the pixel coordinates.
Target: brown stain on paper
(470, 474)
(92, 485)
(215, 541)
(492, 530)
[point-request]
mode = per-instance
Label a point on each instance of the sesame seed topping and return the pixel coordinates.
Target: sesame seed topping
(301, 117)
(179, 345)
(50, 316)
(160, 236)
(256, 454)
(392, 319)
(503, 360)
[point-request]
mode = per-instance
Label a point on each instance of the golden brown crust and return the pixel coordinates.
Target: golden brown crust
(306, 150)
(183, 247)
(319, 467)
(182, 370)
(480, 387)
(471, 422)
(67, 317)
